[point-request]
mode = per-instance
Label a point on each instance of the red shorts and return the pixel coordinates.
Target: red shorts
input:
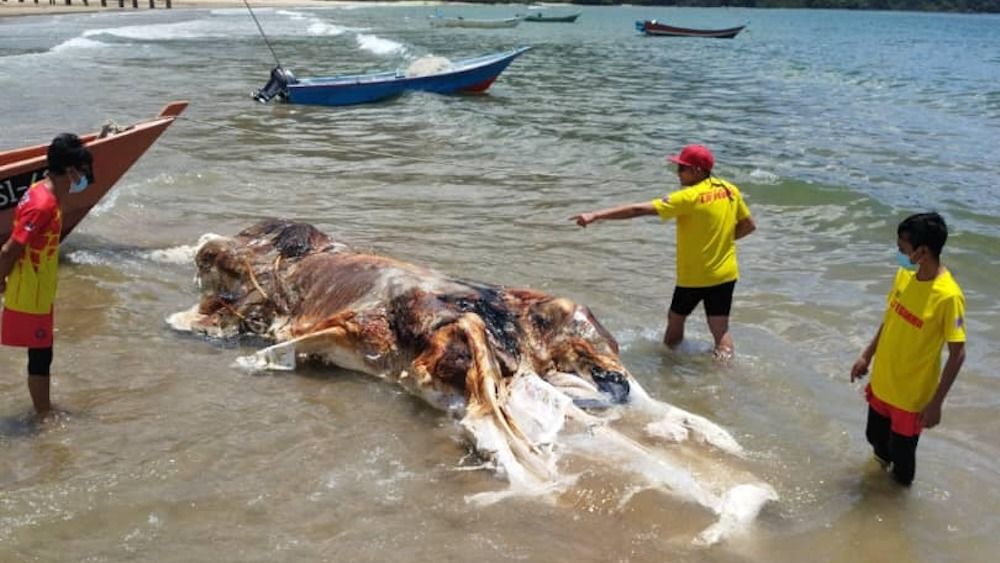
(26, 330)
(904, 423)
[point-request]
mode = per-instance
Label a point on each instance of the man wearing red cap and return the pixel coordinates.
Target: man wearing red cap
(711, 215)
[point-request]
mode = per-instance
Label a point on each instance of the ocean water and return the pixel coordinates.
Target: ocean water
(835, 124)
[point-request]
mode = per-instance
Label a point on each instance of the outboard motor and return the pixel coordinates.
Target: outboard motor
(276, 86)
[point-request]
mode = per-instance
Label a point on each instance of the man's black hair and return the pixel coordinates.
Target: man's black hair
(925, 229)
(67, 150)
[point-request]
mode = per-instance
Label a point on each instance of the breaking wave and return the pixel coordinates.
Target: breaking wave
(80, 42)
(196, 29)
(320, 27)
(378, 45)
(183, 254)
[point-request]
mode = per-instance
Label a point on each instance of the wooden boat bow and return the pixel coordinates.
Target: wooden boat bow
(114, 153)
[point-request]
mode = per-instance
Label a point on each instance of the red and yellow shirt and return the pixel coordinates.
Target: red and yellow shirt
(31, 284)
(920, 318)
(706, 214)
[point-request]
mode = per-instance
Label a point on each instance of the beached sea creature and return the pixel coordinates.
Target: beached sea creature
(518, 368)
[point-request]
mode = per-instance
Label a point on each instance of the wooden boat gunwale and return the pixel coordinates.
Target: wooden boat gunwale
(395, 76)
(470, 75)
(113, 154)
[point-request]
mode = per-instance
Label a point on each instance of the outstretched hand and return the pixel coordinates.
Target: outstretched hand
(584, 219)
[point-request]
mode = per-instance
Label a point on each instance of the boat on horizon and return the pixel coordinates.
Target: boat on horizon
(440, 76)
(540, 17)
(459, 21)
(114, 149)
(655, 28)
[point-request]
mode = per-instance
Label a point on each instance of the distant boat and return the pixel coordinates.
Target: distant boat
(114, 150)
(459, 21)
(652, 27)
(466, 75)
(539, 17)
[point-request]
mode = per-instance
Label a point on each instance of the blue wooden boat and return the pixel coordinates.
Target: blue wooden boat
(466, 75)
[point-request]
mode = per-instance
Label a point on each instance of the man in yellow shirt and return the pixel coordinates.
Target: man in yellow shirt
(925, 309)
(29, 261)
(711, 215)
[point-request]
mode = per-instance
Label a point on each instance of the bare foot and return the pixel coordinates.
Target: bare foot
(723, 354)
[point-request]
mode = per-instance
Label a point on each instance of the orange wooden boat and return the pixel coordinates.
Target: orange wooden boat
(114, 153)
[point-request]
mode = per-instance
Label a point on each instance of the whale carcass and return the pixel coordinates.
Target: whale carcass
(517, 367)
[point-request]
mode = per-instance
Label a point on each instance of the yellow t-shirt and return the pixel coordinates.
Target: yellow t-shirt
(706, 213)
(921, 316)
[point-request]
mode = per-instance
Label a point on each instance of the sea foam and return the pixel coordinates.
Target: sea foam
(378, 45)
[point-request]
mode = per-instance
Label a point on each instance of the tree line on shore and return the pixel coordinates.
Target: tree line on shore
(992, 6)
(913, 5)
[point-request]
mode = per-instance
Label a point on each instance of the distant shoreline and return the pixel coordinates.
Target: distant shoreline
(12, 8)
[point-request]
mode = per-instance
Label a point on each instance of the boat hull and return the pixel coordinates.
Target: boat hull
(539, 18)
(477, 24)
(113, 155)
(656, 29)
(471, 75)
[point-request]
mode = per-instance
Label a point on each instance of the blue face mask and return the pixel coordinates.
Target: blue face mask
(904, 261)
(79, 185)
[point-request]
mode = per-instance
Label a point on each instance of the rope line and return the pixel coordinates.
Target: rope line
(262, 34)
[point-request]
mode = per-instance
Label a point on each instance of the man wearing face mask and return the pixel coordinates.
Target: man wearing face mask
(926, 310)
(30, 258)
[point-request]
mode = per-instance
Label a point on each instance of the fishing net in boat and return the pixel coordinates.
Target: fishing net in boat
(431, 64)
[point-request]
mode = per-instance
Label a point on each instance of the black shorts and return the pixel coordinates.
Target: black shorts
(718, 299)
